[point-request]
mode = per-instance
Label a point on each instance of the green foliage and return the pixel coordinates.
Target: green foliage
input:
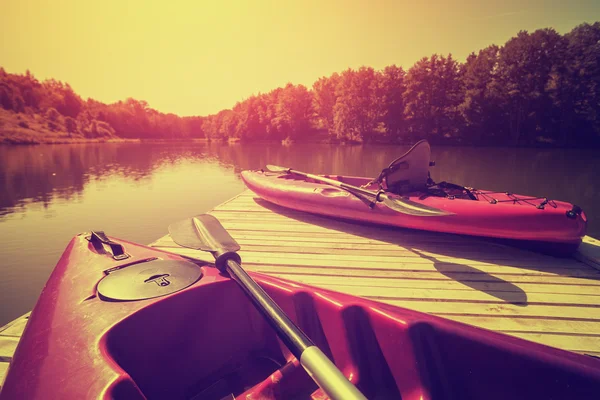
(70, 125)
(53, 126)
(393, 90)
(52, 115)
(294, 111)
(98, 129)
(357, 109)
(18, 104)
(525, 66)
(325, 97)
(581, 85)
(537, 87)
(433, 94)
(6, 97)
(284, 112)
(483, 121)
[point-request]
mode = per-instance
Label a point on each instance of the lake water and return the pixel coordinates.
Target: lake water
(50, 193)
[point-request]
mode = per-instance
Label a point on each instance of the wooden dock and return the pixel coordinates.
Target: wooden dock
(554, 301)
(9, 338)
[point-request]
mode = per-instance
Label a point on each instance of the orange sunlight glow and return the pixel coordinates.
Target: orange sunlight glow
(198, 57)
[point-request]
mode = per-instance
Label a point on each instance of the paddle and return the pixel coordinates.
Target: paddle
(205, 232)
(398, 204)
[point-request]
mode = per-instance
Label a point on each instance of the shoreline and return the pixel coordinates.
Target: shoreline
(33, 141)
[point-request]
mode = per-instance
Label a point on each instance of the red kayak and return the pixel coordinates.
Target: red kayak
(117, 320)
(539, 223)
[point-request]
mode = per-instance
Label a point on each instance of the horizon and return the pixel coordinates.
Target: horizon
(253, 49)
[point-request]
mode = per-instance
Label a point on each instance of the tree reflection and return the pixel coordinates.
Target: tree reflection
(40, 174)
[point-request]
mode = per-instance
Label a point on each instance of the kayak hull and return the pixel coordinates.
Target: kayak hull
(515, 221)
(207, 341)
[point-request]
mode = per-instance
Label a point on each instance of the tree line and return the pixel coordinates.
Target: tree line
(62, 109)
(539, 87)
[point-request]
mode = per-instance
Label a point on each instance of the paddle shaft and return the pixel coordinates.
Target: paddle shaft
(318, 366)
(205, 232)
(404, 206)
(339, 184)
(290, 334)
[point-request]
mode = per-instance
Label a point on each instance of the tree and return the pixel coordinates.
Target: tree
(481, 101)
(52, 114)
(324, 92)
(250, 124)
(525, 65)
(72, 104)
(6, 97)
(433, 94)
(70, 125)
(393, 90)
(357, 110)
(295, 111)
(581, 86)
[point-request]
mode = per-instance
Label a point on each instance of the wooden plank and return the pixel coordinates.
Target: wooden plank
(10, 334)
(592, 353)
(16, 327)
(577, 343)
(415, 256)
(414, 262)
(374, 246)
(531, 325)
(3, 372)
(338, 237)
(390, 251)
(408, 264)
(438, 294)
(8, 345)
(292, 273)
(452, 308)
(589, 252)
(494, 285)
(314, 245)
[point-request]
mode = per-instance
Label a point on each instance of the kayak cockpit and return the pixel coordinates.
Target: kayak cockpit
(189, 346)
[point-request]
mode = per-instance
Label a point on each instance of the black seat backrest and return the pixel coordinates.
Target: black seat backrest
(410, 171)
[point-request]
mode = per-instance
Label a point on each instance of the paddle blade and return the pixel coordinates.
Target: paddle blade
(410, 207)
(203, 232)
(275, 168)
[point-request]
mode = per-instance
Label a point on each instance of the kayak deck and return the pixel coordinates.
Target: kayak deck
(553, 301)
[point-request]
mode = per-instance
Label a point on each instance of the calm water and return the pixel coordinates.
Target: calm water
(134, 191)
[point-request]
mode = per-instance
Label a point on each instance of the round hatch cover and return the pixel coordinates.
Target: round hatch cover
(148, 280)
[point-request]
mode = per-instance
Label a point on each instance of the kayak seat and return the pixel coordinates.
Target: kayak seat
(409, 172)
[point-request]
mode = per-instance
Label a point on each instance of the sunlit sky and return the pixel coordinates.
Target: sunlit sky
(198, 57)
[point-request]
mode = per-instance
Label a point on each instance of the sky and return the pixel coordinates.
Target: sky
(199, 57)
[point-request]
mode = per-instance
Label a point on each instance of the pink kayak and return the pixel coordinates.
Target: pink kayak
(131, 322)
(538, 223)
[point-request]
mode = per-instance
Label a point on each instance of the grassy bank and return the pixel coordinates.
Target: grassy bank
(30, 128)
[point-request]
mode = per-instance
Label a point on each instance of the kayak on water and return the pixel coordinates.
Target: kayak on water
(118, 320)
(536, 222)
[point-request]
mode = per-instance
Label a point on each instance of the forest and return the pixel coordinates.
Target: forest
(539, 88)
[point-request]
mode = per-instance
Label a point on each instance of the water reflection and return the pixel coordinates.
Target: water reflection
(134, 191)
(39, 174)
